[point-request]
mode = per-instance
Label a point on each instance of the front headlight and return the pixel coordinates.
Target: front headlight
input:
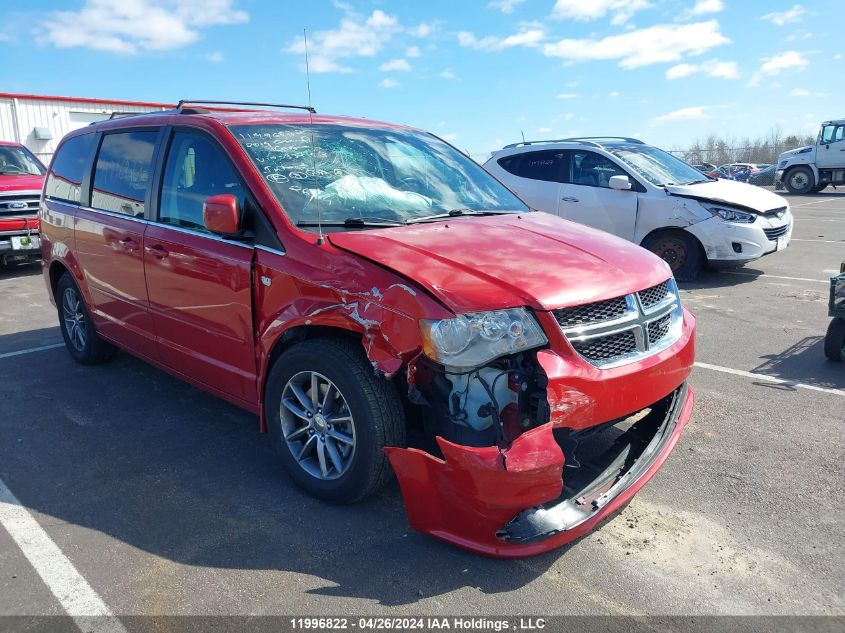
(732, 215)
(471, 340)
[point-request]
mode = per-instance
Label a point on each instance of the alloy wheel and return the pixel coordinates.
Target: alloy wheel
(74, 319)
(317, 425)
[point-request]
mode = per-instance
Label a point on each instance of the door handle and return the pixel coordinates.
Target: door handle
(569, 199)
(129, 244)
(158, 251)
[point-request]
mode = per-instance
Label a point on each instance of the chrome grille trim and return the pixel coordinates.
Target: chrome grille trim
(651, 323)
(773, 234)
(10, 202)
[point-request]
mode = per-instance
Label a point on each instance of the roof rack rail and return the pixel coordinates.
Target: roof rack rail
(627, 139)
(122, 115)
(589, 140)
(186, 102)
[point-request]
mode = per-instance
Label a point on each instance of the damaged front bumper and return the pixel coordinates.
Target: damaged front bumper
(516, 502)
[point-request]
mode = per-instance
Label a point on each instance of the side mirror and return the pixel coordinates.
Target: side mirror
(621, 183)
(220, 214)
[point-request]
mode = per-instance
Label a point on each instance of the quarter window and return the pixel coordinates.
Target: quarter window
(64, 182)
(123, 172)
(593, 170)
(196, 169)
(549, 165)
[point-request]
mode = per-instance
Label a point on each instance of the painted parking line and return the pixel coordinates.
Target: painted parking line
(31, 350)
(818, 281)
(772, 379)
(72, 591)
(809, 204)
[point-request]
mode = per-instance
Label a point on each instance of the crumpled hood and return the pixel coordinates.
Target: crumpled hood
(493, 262)
(733, 193)
(21, 183)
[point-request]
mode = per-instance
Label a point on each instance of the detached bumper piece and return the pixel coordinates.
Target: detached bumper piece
(546, 489)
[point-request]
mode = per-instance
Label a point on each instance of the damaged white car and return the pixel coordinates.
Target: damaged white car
(647, 196)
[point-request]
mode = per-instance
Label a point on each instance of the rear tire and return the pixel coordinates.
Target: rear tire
(799, 180)
(679, 249)
(81, 339)
(834, 340)
(354, 415)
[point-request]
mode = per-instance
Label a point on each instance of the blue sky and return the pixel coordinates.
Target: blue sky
(479, 73)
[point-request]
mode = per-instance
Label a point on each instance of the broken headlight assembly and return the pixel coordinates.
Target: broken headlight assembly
(732, 215)
(472, 340)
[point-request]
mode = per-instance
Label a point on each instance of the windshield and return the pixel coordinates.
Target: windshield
(19, 161)
(658, 167)
(361, 176)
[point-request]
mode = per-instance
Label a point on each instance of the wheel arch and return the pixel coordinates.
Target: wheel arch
(669, 229)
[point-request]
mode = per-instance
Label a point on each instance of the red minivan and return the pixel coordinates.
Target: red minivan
(382, 304)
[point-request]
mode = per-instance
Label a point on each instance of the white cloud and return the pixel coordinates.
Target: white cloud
(447, 74)
(837, 56)
(613, 94)
(681, 70)
(684, 114)
(395, 65)
(642, 47)
(567, 95)
(355, 37)
(422, 30)
(215, 56)
(451, 136)
(413, 51)
(544, 130)
(795, 14)
(589, 10)
(800, 92)
(790, 59)
(388, 83)
(505, 6)
(529, 35)
(713, 68)
(121, 26)
(707, 6)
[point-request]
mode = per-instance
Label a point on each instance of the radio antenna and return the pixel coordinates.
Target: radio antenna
(320, 239)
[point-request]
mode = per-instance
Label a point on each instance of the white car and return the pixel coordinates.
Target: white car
(647, 196)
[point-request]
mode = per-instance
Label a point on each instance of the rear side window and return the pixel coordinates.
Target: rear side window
(64, 182)
(123, 171)
(548, 165)
(196, 169)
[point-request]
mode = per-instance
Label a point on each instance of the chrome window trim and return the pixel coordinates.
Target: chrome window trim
(171, 227)
(268, 249)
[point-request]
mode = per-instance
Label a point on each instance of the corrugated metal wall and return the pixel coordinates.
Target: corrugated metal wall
(60, 117)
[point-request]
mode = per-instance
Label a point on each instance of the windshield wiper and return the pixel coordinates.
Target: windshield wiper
(455, 213)
(352, 223)
(695, 182)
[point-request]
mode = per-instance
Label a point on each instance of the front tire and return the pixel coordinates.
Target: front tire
(819, 188)
(679, 249)
(800, 180)
(834, 340)
(330, 416)
(81, 339)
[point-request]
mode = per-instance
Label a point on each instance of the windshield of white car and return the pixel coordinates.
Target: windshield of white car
(19, 161)
(330, 174)
(658, 167)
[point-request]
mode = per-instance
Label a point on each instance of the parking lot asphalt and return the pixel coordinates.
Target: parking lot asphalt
(168, 501)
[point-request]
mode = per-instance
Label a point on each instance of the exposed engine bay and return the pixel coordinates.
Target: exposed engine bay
(486, 406)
